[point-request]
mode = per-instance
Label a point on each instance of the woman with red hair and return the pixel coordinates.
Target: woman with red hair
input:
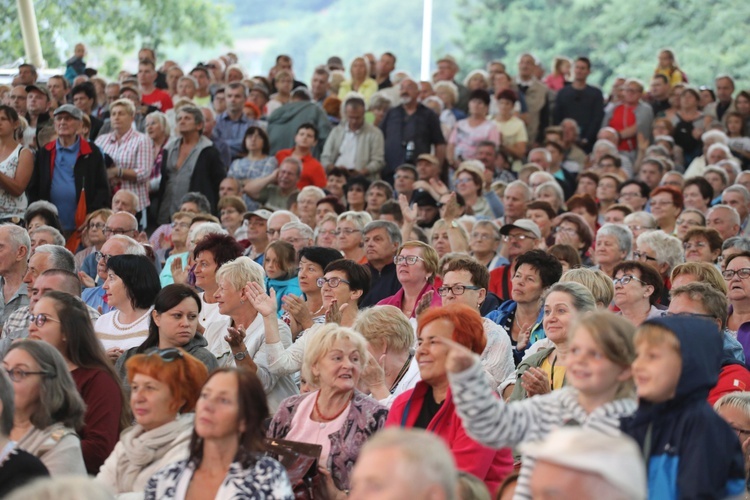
(164, 388)
(430, 406)
(666, 205)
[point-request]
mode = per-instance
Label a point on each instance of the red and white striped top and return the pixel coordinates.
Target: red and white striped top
(132, 151)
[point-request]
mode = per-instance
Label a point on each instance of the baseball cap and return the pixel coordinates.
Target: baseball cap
(38, 88)
(428, 157)
(261, 212)
(525, 224)
(617, 459)
(76, 113)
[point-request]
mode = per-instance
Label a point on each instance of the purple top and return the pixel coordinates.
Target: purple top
(397, 299)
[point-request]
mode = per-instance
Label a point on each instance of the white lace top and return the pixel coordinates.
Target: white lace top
(11, 206)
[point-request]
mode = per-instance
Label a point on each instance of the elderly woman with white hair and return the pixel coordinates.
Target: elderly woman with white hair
(307, 203)
(158, 130)
(639, 223)
(614, 242)
(662, 252)
(552, 193)
(238, 338)
(337, 415)
(191, 164)
(350, 235)
(715, 148)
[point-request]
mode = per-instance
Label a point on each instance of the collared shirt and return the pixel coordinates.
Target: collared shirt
(232, 132)
(348, 150)
(63, 190)
(19, 299)
(132, 151)
(94, 297)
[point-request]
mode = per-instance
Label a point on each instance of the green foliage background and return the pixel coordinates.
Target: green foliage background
(621, 38)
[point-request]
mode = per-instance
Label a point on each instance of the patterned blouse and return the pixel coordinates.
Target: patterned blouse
(366, 416)
(265, 479)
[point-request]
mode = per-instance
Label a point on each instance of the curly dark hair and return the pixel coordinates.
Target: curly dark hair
(222, 246)
(548, 267)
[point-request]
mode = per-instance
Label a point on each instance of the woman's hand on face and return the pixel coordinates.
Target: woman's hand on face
(264, 303)
(424, 303)
(459, 358)
(236, 337)
(535, 382)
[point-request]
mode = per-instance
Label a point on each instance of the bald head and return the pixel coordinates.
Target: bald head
(123, 223)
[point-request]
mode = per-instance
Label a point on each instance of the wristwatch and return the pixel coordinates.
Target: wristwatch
(240, 356)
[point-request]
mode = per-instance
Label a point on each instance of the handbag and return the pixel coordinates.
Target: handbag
(301, 463)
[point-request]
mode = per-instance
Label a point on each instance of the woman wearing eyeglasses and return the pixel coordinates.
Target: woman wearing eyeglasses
(342, 287)
(637, 288)
(131, 286)
(416, 268)
(689, 218)
(666, 205)
(702, 244)
(94, 235)
(62, 321)
(173, 323)
(737, 276)
(350, 235)
(238, 338)
(165, 384)
(572, 229)
(226, 456)
(48, 408)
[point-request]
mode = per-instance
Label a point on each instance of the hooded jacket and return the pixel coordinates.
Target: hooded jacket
(505, 315)
(691, 451)
(284, 122)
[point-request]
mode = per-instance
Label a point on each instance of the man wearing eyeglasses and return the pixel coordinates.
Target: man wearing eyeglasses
(298, 234)
(518, 238)
(120, 223)
(257, 227)
(701, 300)
(118, 244)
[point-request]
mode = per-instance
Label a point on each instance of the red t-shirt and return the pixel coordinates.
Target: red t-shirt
(313, 173)
(158, 99)
(624, 117)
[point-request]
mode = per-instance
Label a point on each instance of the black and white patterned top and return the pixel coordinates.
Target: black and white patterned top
(266, 479)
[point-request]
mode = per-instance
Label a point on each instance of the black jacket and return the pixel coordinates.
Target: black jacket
(208, 173)
(89, 171)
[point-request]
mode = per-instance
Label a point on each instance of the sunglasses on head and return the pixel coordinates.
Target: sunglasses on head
(168, 355)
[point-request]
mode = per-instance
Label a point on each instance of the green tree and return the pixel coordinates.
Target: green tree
(708, 36)
(123, 23)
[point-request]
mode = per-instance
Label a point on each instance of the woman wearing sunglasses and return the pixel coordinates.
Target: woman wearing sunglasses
(342, 287)
(416, 267)
(637, 289)
(226, 453)
(48, 409)
(62, 321)
(174, 323)
(165, 384)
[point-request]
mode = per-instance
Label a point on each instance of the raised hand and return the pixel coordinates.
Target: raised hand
(179, 273)
(264, 303)
(333, 314)
(86, 280)
(459, 358)
(409, 212)
(523, 337)
(452, 209)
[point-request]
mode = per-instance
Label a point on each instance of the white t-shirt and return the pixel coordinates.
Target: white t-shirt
(112, 332)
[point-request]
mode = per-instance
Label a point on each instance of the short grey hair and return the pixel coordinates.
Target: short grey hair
(6, 399)
(547, 154)
(449, 86)
(161, 118)
(294, 161)
(715, 136)
(583, 300)
(322, 340)
(360, 219)
(18, 236)
(42, 205)
(732, 211)
(668, 248)
(739, 400)
(719, 145)
(57, 237)
(304, 230)
(608, 146)
(201, 230)
(523, 186)
(132, 247)
(199, 199)
(195, 112)
(718, 171)
(644, 218)
(292, 216)
(739, 242)
(541, 174)
(394, 232)
(621, 232)
(60, 257)
(424, 455)
(737, 188)
(311, 192)
(241, 270)
(554, 186)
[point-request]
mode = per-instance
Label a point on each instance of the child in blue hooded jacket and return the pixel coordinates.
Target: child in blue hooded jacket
(690, 451)
(281, 275)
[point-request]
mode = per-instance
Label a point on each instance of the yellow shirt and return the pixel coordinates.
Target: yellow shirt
(556, 379)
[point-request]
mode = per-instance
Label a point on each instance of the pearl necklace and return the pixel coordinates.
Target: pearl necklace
(126, 326)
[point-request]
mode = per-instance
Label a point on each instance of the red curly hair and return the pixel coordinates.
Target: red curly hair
(468, 328)
(184, 377)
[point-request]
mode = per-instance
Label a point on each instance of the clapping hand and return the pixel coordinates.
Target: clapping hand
(236, 337)
(535, 381)
(264, 303)
(297, 308)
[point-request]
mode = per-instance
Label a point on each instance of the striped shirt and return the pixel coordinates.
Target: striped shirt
(492, 422)
(133, 151)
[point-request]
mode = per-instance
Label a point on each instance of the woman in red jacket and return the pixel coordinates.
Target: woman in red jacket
(430, 406)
